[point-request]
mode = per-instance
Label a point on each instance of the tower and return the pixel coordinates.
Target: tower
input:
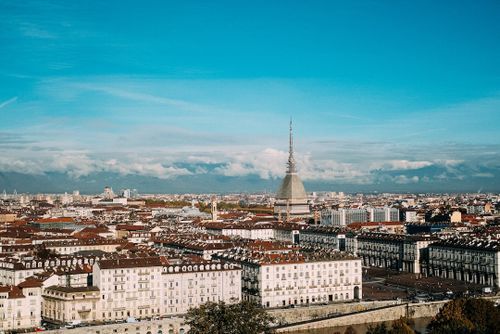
(214, 209)
(291, 196)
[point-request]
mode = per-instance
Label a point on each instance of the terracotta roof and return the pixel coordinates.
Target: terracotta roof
(13, 291)
(31, 282)
(132, 262)
(69, 289)
(55, 220)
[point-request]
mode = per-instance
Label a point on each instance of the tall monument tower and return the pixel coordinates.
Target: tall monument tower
(291, 197)
(214, 209)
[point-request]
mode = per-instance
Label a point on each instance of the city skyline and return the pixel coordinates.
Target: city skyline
(197, 97)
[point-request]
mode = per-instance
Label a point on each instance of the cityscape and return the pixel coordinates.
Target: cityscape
(241, 168)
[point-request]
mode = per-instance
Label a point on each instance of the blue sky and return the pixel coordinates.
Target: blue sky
(381, 92)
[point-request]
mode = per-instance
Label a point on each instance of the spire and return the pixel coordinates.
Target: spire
(291, 159)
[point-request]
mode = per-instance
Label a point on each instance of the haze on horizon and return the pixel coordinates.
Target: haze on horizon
(195, 96)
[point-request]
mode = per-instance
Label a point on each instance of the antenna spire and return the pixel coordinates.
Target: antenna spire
(291, 159)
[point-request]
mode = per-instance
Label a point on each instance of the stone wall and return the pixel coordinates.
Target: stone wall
(389, 313)
(298, 314)
(163, 326)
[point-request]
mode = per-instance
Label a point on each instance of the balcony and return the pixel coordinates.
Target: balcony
(84, 310)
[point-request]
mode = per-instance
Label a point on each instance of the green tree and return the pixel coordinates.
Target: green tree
(466, 316)
(221, 318)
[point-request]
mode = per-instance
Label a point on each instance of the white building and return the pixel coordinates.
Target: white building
(154, 286)
(411, 216)
(383, 214)
(20, 307)
(294, 278)
(343, 217)
(62, 304)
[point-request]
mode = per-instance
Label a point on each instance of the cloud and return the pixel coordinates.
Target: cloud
(403, 179)
(487, 175)
(143, 97)
(7, 102)
(78, 164)
(269, 163)
(401, 165)
(35, 31)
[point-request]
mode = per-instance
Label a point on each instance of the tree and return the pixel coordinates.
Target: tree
(45, 253)
(350, 330)
(401, 326)
(220, 318)
(466, 316)
(380, 328)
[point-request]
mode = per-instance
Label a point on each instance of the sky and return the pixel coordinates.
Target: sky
(384, 95)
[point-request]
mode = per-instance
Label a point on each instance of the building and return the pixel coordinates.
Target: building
(324, 236)
(291, 198)
(55, 223)
(297, 278)
(63, 304)
(343, 217)
(456, 217)
(154, 286)
(393, 251)
(383, 214)
(20, 307)
(476, 209)
(411, 216)
(467, 259)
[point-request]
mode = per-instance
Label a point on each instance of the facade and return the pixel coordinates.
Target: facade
(288, 232)
(50, 223)
(383, 214)
(150, 287)
(324, 236)
(456, 217)
(411, 216)
(19, 307)
(291, 198)
(470, 260)
(14, 271)
(279, 280)
(63, 304)
(343, 217)
(398, 252)
(70, 247)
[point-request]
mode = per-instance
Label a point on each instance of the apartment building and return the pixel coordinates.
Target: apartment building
(70, 247)
(298, 278)
(343, 217)
(15, 270)
(20, 306)
(62, 304)
(324, 236)
(474, 260)
(393, 251)
(383, 214)
(154, 286)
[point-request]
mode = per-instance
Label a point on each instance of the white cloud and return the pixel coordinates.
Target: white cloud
(7, 102)
(488, 175)
(403, 179)
(269, 163)
(401, 165)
